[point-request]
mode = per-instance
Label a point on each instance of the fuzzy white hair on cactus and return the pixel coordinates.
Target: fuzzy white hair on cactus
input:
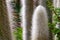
(23, 2)
(23, 16)
(40, 30)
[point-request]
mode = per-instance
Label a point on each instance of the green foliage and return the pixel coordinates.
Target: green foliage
(49, 5)
(58, 14)
(52, 26)
(56, 31)
(56, 18)
(18, 33)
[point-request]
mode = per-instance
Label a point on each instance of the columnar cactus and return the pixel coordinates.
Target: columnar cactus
(11, 12)
(5, 33)
(56, 3)
(26, 13)
(40, 30)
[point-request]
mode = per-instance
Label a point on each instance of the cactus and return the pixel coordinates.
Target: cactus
(5, 33)
(40, 30)
(11, 15)
(26, 14)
